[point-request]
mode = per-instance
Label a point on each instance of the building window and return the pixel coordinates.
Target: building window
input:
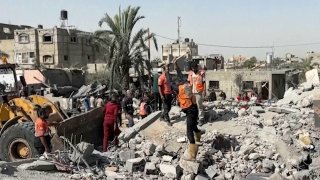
(47, 38)
(214, 85)
(47, 59)
(247, 85)
(25, 58)
(23, 38)
(66, 58)
(6, 30)
(89, 57)
(73, 39)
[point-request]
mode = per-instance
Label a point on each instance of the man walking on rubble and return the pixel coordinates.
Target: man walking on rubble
(165, 91)
(127, 106)
(188, 105)
(196, 79)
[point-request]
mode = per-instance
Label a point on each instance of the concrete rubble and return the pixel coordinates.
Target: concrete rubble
(277, 142)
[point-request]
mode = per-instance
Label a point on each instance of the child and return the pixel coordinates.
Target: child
(145, 109)
(110, 117)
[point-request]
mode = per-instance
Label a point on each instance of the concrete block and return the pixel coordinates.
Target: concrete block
(212, 171)
(189, 166)
(38, 166)
(312, 76)
(201, 177)
(170, 170)
(148, 148)
(132, 131)
(172, 147)
(134, 165)
(289, 155)
(182, 140)
(150, 168)
(283, 110)
(167, 158)
(85, 150)
(126, 154)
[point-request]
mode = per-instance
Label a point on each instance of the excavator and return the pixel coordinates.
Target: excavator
(18, 112)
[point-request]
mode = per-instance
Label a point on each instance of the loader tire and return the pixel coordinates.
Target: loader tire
(19, 142)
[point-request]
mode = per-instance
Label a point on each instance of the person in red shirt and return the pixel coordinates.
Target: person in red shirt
(165, 91)
(246, 97)
(109, 124)
(42, 129)
(239, 97)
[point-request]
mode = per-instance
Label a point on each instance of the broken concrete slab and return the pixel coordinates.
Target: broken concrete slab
(167, 158)
(268, 118)
(258, 176)
(172, 147)
(189, 166)
(38, 166)
(246, 149)
(85, 150)
(150, 168)
(283, 110)
(307, 86)
(312, 76)
(268, 134)
(257, 109)
(289, 155)
(201, 177)
(132, 131)
(212, 171)
(170, 170)
(135, 165)
(126, 154)
(148, 148)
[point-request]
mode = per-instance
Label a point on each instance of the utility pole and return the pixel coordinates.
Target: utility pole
(149, 55)
(179, 25)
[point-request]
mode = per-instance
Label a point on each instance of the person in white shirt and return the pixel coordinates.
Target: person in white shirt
(92, 102)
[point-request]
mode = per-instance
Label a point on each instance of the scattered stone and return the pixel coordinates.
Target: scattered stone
(242, 112)
(148, 148)
(126, 154)
(189, 166)
(150, 168)
(172, 147)
(85, 150)
(246, 149)
(258, 176)
(182, 140)
(38, 166)
(134, 165)
(187, 177)
(167, 158)
(201, 177)
(254, 156)
(212, 171)
(267, 165)
(170, 170)
(228, 175)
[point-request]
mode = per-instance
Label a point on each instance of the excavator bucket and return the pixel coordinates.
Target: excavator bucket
(86, 127)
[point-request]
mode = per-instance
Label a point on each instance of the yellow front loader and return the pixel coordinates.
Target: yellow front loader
(18, 114)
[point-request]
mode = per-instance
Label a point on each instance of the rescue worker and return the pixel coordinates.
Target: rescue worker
(144, 107)
(165, 91)
(196, 79)
(188, 105)
(42, 129)
(127, 106)
(155, 89)
(109, 123)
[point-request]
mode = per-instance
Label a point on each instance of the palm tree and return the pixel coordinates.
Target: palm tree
(125, 48)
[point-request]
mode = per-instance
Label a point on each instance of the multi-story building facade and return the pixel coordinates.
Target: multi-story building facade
(50, 47)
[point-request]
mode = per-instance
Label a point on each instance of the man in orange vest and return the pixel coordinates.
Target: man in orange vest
(144, 107)
(188, 105)
(196, 79)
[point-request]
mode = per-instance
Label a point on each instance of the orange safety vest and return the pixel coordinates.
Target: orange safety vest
(142, 110)
(185, 96)
(198, 82)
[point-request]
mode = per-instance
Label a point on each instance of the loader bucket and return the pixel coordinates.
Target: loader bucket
(87, 127)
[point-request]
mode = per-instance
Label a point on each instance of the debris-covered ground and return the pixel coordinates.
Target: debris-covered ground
(262, 142)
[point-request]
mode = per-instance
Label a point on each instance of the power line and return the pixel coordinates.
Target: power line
(247, 47)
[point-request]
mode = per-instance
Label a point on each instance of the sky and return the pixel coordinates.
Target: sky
(214, 22)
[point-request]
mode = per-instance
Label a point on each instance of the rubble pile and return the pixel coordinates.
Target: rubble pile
(279, 142)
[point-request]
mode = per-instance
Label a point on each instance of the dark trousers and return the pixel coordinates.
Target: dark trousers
(166, 106)
(192, 117)
(158, 101)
